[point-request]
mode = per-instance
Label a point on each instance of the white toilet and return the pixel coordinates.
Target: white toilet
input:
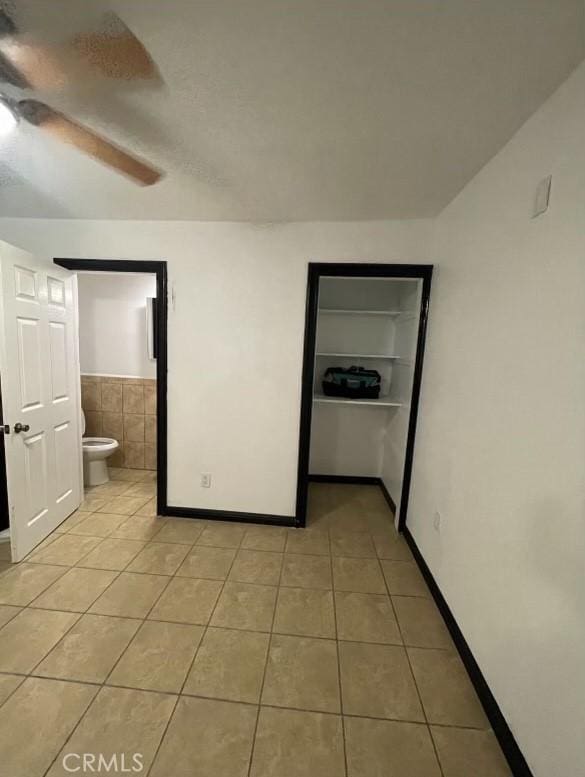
(95, 452)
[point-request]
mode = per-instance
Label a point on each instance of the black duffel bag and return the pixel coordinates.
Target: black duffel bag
(353, 383)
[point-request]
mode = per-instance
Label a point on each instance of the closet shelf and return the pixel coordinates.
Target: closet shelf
(357, 355)
(348, 312)
(380, 402)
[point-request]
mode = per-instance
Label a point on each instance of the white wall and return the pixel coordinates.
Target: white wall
(235, 336)
(501, 439)
(112, 324)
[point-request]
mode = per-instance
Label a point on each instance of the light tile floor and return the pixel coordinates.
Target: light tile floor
(222, 649)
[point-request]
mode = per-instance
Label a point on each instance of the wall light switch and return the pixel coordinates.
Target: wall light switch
(542, 197)
(205, 480)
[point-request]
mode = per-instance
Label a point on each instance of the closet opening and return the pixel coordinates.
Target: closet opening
(359, 427)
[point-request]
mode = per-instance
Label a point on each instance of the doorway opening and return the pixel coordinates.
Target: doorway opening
(370, 319)
(123, 374)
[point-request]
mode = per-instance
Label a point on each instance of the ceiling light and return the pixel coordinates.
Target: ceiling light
(7, 118)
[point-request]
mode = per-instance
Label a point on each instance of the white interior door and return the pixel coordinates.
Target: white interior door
(39, 378)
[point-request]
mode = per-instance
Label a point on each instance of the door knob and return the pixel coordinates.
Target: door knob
(21, 428)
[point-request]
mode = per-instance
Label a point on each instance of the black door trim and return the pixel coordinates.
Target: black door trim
(316, 271)
(159, 269)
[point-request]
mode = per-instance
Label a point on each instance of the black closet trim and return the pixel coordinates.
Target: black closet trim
(355, 479)
(509, 746)
(357, 270)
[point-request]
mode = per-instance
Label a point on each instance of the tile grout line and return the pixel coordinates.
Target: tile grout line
(192, 663)
(98, 688)
(266, 660)
(341, 710)
(420, 701)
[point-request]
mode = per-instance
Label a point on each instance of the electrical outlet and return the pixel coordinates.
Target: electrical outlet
(205, 480)
(437, 521)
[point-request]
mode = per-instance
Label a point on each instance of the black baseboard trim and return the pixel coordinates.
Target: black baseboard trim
(227, 515)
(357, 479)
(350, 479)
(387, 496)
(509, 746)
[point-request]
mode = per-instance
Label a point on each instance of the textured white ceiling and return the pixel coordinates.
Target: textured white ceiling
(298, 109)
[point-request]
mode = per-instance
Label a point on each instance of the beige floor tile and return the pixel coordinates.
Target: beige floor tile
(187, 601)
(404, 578)
(47, 711)
(207, 738)
(92, 503)
(390, 545)
(142, 489)
(98, 524)
(421, 623)
(113, 554)
(221, 535)
(210, 563)
(127, 475)
(310, 542)
(130, 595)
(76, 590)
(122, 722)
(20, 585)
(180, 530)
(229, 665)
(66, 550)
(366, 618)
(352, 545)
(89, 650)
(464, 752)
(291, 743)
(139, 528)
(386, 747)
(360, 575)
(159, 558)
(7, 613)
(256, 566)
(112, 488)
(158, 658)
(376, 681)
(123, 505)
(149, 509)
(300, 571)
(245, 606)
(74, 520)
(305, 612)
(302, 673)
(5, 566)
(265, 538)
(28, 637)
(43, 544)
(445, 689)
(8, 684)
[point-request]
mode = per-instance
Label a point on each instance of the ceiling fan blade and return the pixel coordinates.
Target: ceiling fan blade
(115, 51)
(30, 66)
(24, 63)
(60, 126)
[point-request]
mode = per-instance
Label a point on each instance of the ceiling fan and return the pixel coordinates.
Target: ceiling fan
(113, 52)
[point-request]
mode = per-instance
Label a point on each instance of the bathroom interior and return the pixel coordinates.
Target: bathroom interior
(118, 376)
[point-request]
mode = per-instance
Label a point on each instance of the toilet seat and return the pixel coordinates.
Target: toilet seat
(98, 444)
